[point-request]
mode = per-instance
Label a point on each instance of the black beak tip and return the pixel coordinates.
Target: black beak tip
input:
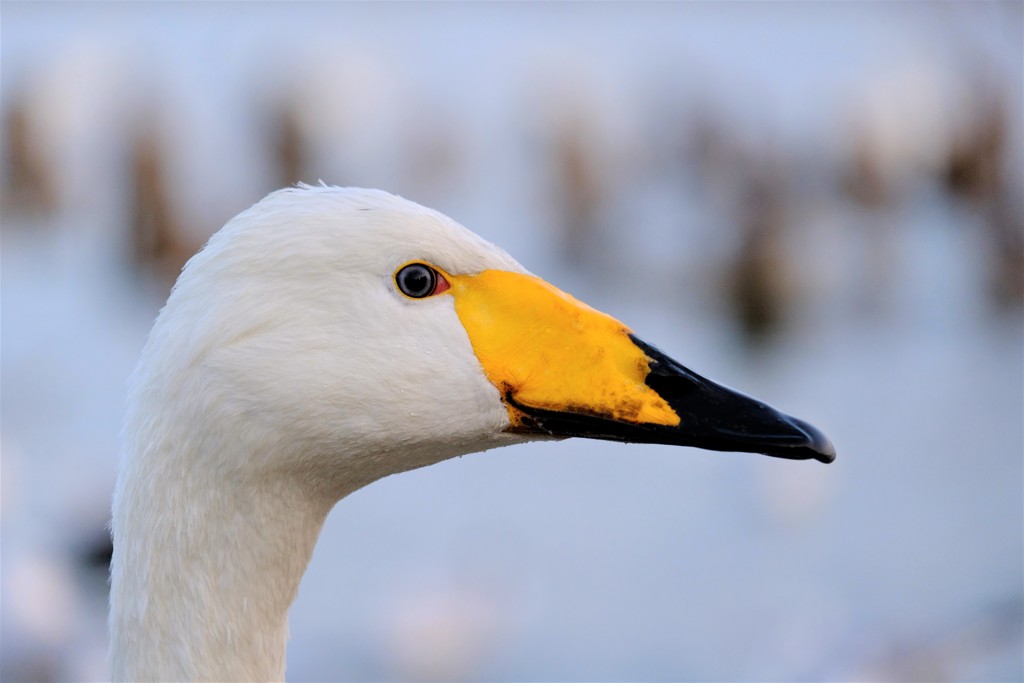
(818, 445)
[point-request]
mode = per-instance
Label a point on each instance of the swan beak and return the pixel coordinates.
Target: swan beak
(564, 369)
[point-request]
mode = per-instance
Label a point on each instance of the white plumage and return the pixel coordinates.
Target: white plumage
(251, 414)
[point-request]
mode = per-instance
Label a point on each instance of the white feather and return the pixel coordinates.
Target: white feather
(284, 372)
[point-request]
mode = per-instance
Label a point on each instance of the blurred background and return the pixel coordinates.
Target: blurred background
(818, 203)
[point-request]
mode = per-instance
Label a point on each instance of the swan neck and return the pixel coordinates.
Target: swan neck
(204, 571)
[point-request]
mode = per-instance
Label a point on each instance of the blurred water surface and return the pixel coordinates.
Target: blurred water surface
(819, 204)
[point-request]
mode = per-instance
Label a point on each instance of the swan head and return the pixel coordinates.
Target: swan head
(347, 334)
(326, 338)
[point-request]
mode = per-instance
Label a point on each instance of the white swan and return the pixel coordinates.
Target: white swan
(326, 338)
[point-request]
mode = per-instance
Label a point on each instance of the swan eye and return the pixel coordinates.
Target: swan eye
(417, 280)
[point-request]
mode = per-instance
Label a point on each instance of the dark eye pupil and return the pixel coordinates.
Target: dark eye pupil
(416, 280)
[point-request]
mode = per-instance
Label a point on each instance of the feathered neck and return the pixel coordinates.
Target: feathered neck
(206, 562)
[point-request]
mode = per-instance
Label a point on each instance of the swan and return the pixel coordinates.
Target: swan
(325, 338)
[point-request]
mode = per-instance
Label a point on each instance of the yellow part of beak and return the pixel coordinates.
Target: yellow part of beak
(546, 350)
